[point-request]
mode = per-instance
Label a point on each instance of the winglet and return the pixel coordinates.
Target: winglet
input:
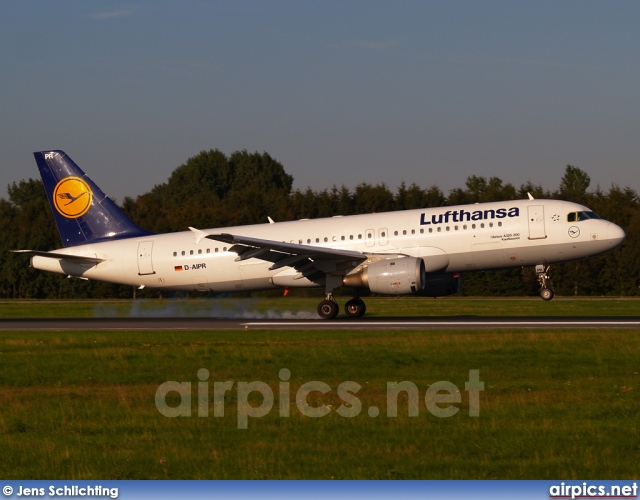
(200, 235)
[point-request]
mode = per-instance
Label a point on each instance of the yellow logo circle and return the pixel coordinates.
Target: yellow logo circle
(72, 197)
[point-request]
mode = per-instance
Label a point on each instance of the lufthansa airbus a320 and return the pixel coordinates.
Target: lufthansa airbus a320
(418, 252)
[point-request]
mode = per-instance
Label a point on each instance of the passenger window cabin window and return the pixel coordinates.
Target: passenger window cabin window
(175, 254)
(183, 253)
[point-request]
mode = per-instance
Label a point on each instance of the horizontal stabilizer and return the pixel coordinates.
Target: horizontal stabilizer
(78, 259)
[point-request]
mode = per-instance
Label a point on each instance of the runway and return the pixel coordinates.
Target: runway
(412, 323)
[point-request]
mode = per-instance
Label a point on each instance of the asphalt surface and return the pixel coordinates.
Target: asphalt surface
(415, 323)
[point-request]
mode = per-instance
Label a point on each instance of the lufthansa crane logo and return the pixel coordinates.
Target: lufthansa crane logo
(72, 197)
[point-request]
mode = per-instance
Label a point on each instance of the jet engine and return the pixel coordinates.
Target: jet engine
(398, 276)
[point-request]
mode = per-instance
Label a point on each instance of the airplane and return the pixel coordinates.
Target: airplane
(420, 252)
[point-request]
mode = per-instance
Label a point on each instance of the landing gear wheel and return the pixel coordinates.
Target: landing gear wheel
(546, 293)
(328, 309)
(355, 308)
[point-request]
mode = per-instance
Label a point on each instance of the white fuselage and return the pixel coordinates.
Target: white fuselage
(449, 239)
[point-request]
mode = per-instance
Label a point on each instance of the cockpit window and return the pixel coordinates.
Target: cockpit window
(578, 216)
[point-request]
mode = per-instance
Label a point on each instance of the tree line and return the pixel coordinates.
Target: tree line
(213, 190)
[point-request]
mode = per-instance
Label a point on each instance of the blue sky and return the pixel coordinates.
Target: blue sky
(339, 92)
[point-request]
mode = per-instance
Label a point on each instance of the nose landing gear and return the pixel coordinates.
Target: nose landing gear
(546, 292)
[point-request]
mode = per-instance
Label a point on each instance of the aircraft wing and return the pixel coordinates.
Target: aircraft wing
(78, 259)
(306, 259)
(288, 248)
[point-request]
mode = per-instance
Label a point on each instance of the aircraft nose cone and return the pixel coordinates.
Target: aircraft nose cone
(615, 234)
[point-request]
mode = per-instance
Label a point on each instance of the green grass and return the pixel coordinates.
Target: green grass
(80, 405)
(376, 307)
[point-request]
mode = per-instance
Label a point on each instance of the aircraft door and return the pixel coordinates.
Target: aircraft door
(535, 219)
(145, 264)
(370, 237)
(383, 236)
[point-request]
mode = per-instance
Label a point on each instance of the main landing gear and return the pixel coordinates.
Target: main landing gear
(328, 308)
(355, 307)
(546, 292)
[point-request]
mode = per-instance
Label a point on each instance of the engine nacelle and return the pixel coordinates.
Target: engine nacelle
(390, 277)
(440, 285)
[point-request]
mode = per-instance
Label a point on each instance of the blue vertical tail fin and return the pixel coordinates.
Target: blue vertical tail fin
(83, 213)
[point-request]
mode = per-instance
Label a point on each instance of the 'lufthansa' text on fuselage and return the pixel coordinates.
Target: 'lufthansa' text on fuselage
(464, 215)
